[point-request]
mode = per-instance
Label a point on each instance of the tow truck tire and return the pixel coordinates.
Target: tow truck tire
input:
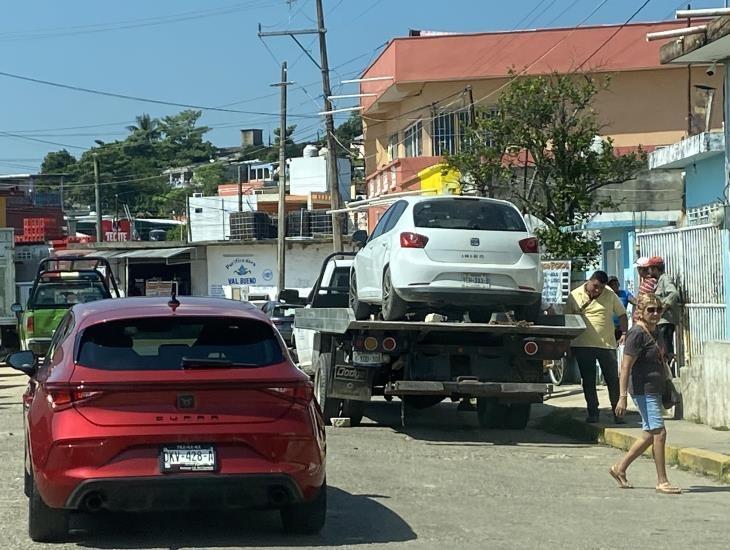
(330, 407)
(393, 308)
(360, 309)
(518, 416)
(354, 410)
(491, 413)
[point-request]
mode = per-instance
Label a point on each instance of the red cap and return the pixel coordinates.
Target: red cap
(655, 261)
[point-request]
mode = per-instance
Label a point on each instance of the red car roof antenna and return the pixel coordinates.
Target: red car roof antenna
(174, 303)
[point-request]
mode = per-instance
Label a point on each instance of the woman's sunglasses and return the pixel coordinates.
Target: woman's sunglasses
(652, 309)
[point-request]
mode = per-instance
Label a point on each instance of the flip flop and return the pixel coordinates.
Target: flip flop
(668, 489)
(623, 483)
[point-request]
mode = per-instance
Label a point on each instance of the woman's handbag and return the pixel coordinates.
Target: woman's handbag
(670, 395)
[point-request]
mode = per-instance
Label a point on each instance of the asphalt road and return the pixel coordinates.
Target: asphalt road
(439, 483)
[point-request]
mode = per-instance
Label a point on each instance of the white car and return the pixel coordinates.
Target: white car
(449, 254)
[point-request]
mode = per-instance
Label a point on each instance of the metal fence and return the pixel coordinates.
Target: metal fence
(694, 257)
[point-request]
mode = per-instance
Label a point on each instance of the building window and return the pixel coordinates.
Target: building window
(449, 132)
(198, 210)
(393, 147)
(413, 140)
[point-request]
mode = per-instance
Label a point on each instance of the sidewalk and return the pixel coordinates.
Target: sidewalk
(690, 446)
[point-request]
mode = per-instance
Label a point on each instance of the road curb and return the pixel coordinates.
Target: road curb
(709, 463)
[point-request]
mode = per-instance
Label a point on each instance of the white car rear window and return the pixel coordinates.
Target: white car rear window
(471, 214)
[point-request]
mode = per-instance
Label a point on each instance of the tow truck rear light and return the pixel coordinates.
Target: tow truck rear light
(531, 348)
(29, 323)
(389, 344)
(371, 343)
(412, 240)
(530, 245)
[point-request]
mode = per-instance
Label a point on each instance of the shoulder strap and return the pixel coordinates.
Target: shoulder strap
(659, 349)
(585, 305)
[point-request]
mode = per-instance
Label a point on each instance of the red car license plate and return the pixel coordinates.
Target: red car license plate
(187, 458)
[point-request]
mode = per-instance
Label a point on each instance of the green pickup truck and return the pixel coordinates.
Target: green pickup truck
(59, 284)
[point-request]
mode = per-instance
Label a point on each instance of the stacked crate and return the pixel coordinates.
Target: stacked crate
(41, 229)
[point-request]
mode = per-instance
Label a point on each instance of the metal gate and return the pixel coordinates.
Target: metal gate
(694, 257)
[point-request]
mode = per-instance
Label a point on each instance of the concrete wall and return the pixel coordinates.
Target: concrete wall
(255, 265)
(705, 181)
(706, 386)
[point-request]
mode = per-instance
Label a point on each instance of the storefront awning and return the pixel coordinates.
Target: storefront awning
(167, 254)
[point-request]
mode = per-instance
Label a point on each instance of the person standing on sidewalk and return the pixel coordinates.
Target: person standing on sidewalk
(597, 304)
(668, 294)
(643, 365)
(626, 298)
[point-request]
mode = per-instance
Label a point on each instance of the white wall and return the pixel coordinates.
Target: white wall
(705, 386)
(309, 174)
(211, 221)
(255, 265)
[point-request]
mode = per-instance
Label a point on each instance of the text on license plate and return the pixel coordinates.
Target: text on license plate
(476, 279)
(367, 358)
(188, 458)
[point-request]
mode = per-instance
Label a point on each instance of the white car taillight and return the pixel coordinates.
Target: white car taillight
(412, 240)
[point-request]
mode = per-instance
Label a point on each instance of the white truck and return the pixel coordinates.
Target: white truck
(498, 363)
(8, 318)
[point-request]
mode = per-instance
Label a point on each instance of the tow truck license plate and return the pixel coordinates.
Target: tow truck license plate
(367, 358)
(475, 279)
(187, 458)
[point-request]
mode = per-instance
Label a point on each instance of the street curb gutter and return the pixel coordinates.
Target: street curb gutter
(709, 463)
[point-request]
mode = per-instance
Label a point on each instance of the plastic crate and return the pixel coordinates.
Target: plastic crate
(298, 224)
(249, 225)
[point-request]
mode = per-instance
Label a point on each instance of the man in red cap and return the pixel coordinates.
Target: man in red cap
(668, 294)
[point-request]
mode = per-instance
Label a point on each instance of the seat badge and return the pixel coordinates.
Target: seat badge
(185, 401)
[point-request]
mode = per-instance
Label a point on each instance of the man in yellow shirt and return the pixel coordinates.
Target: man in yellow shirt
(597, 305)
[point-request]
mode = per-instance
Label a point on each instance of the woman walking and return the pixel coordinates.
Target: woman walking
(643, 368)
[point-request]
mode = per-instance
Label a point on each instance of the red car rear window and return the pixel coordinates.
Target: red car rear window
(163, 343)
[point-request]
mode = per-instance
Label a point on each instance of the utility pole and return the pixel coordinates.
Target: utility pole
(332, 171)
(97, 193)
(240, 189)
(281, 236)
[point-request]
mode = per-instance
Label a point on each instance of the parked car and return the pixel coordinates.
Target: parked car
(453, 254)
(282, 315)
(59, 284)
(150, 403)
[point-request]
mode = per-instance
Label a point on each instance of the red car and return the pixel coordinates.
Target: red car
(157, 403)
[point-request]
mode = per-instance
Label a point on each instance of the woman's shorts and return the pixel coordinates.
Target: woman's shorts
(650, 408)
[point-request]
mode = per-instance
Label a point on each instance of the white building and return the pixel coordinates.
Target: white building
(308, 174)
(210, 216)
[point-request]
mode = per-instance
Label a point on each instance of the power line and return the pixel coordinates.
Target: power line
(138, 98)
(599, 48)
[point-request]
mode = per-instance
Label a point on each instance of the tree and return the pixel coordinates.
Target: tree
(57, 162)
(542, 149)
(208, 177)
(182, 141)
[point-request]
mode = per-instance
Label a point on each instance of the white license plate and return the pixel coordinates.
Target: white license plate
(187, 458)
(367, 358)
(475, 279)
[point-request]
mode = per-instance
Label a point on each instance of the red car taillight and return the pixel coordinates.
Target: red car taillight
(63, 398)
(530, 245)
(29, 324)
(412, 240)
(300, 393)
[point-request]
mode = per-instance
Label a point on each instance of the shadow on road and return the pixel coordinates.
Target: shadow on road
(351, 520)
(443, 424)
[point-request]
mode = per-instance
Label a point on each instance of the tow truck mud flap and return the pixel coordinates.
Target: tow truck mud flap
(350, 382)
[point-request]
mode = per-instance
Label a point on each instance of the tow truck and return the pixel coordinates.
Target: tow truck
(423, 362)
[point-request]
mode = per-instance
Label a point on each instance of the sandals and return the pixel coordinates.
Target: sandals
(668, 489)
(620, 478)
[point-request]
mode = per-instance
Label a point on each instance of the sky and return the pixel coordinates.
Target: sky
(208, 53)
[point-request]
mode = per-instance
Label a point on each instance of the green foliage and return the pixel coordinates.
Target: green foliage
(57, 162)
(550, 121)
(209, 177)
